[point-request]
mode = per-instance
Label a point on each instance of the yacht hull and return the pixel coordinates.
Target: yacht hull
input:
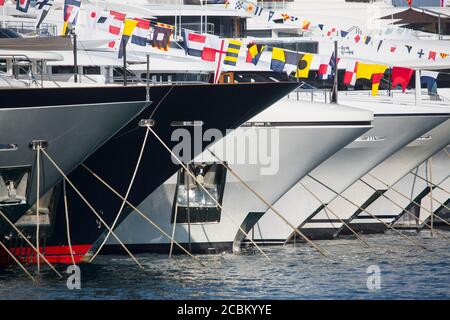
(299, 153)
(215, 106)
(421, 204)
(392, 171)
(389, 133)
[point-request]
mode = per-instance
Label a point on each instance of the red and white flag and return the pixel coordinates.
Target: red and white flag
(350, 73)
(116, 22)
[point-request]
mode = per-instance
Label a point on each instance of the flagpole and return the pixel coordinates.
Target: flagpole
(418, 88)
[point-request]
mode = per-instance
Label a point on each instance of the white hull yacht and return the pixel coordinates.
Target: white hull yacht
(201, 224)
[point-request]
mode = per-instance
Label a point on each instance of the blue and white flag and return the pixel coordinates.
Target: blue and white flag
(23, 5)
(429, 78)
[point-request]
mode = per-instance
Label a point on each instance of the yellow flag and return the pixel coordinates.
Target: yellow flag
(129, 26)
(304, 64)
(365, 71)
(377, 75)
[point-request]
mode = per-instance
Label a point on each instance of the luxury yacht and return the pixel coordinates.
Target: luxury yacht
(68, 124)
(306, 204)
(380, 201)
(199, 223)
(182, 107)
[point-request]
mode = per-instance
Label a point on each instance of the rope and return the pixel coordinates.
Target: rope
(373, 216)
(92, 209)
(17, 261)
(415, 202)
(398, 205)
(66, 210)
(430, 173)
(434, 185)
(133, 177)
(29, 243)
(140, 213)
(208, 193)
(269, 205)
(332, 211)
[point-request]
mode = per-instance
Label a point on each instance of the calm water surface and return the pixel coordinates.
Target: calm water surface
(294, 272)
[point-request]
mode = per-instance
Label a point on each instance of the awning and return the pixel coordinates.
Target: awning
(37, 44)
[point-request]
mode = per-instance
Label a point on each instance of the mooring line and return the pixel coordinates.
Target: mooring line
(29, 243)
(141, 214)
(246, 185)
(92, 209)
(397, 204)
(406, 197)
(208, 193)
(370, 214)
(332, 211)
(133, 177)
(66, 210)
(16, 261)
(434, 185)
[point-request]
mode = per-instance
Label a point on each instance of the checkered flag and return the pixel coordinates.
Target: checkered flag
(239, 5)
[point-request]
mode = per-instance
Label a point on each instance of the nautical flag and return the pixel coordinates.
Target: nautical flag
(270, 15)
(329, 33)
(432, 55)
(213, 45)
(22, 5)
(393, 48)
(401, 76)
(96, 16)
(141, 33)
(71, 10)
(193, 43)
(254, 52)
(379, 45)
(291, 61)
(239, 5)
(357, 38)
(285, 16)
(42, 8)
(321, 26)
(128, 29)
(306, 24)
(429, 78)
(256, 10)
(327, 67)
(278, 60)
(443, 55)
(408, 47)
(350, 73)
(343, 33)
(231, 57)
(116, 22)
(364, 71)
(304, 64)
(367, 39)
(378, 73)
(420, 53)
(161, 37)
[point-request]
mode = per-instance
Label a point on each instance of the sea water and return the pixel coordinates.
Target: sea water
(392, 268)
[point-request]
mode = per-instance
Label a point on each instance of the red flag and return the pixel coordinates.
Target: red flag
(432, 55)
(401, 76)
